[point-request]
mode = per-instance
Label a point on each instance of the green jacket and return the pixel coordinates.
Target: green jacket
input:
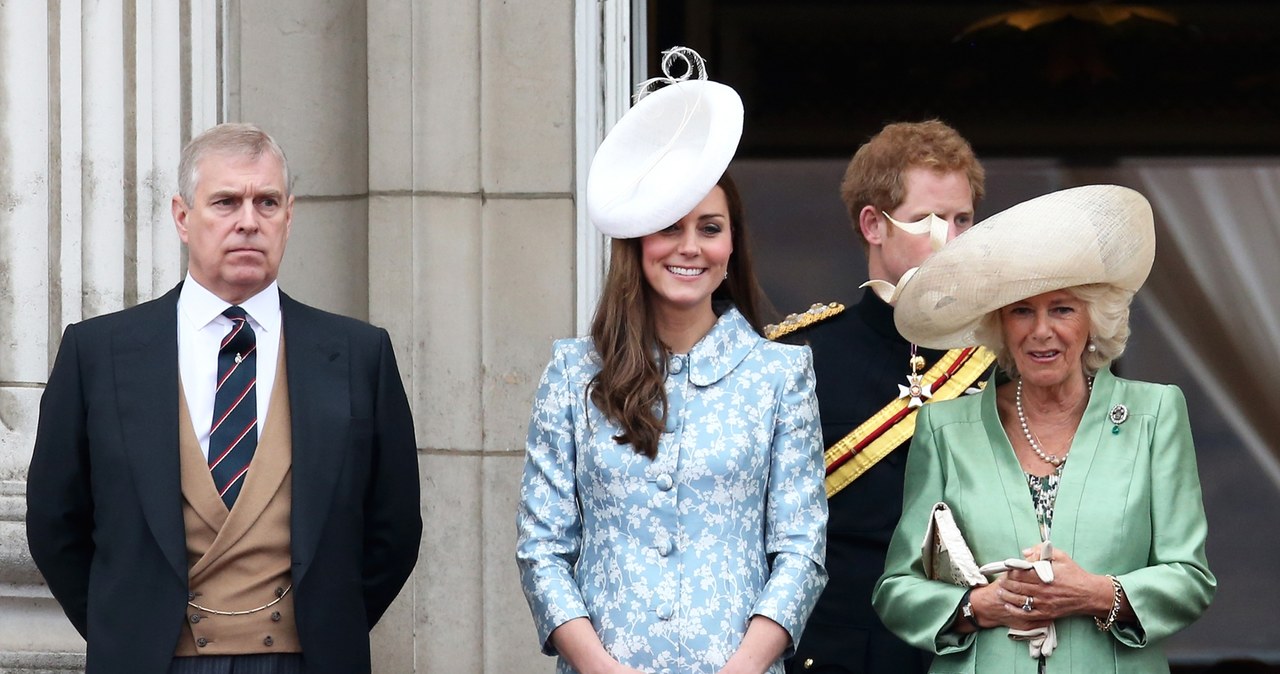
(1128, 505)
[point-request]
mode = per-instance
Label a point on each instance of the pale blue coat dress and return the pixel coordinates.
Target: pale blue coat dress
(670, 558)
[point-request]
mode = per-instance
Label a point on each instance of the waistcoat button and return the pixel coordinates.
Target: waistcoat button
(195, 618)
(268, 641)
(202, 642)
(275, 616)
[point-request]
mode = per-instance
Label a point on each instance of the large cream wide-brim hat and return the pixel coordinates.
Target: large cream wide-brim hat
(663, 157)
(1079, 236)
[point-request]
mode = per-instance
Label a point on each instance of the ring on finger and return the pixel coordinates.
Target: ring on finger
(1028, 603)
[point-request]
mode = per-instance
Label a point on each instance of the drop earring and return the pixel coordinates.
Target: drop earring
(1093, 348)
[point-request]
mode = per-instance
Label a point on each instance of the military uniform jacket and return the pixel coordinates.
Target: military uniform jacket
(859, 359)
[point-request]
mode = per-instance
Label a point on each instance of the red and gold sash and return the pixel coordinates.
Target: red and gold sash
(893, 425)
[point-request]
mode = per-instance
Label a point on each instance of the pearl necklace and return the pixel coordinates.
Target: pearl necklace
(1052, 459)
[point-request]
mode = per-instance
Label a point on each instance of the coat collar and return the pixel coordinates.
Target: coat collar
(320, 406)
(145, 359)
(1084, 447)
(1094, 430)
(878, 316)
(722, 349)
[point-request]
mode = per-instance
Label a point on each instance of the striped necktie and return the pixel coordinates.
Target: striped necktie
(234, 434)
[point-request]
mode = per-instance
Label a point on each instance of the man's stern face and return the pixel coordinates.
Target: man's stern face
(238, 226)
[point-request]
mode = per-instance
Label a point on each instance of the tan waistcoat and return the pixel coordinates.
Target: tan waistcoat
(239, 560)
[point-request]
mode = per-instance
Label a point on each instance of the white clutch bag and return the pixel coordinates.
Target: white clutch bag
(945, 554)
(947, 557)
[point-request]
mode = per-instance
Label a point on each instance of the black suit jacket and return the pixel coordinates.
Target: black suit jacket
(859, 359)
(104, 501)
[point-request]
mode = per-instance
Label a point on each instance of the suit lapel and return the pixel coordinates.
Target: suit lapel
(318, 379)
(198, 489)
(1013, 482)
(270, 468)
(1084, 447)
(146, 373)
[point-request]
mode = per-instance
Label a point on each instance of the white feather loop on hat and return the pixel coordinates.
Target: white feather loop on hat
(1077, 236)
(666, 153)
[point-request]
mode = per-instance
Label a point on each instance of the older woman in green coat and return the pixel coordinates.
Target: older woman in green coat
(1055, 448)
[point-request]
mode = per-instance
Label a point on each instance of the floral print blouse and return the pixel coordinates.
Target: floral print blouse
(1044, 491)
(670, 558)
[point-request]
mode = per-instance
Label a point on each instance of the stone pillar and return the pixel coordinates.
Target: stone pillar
(297, 69)
(472, 261)
(437, 149)
(94, 106)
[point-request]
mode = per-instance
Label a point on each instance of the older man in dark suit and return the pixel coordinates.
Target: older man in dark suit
(201, 501)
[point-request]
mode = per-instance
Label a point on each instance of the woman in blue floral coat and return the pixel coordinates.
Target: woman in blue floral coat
(672, 514)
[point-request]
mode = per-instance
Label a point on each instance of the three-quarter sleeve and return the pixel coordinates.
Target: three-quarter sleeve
(796, 506)
(548, 522)
(917, 609)
(1175, 588)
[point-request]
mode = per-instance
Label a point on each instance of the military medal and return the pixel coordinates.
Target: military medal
(916, 389)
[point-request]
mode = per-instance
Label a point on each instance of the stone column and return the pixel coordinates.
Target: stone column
(297, 69)
(472, 267)
(94, 106)
(437, 148)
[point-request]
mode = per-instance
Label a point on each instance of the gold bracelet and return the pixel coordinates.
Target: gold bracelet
(1116, 597)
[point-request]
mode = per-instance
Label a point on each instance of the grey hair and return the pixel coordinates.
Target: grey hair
(1108, 308)
(237, 139)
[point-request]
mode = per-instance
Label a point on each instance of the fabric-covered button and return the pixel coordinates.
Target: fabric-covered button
(664, 611)
(664, 546)
(677, 364)
(665, 482)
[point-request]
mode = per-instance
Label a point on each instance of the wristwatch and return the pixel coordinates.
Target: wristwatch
(966, 610)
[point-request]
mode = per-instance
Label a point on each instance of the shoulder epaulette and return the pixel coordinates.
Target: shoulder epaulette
(816, 314)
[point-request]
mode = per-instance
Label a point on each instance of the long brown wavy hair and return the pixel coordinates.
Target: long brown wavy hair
(628, 389)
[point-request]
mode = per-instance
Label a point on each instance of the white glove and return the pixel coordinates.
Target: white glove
(1041, 641)
(1042, 567)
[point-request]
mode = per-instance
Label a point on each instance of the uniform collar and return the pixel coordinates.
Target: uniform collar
(878, 315)
(722, 349)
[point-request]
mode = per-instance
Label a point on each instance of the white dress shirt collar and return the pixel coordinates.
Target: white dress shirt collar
(201, 307)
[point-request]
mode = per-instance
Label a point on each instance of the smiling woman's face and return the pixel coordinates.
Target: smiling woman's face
(686, 262)
(1046, 334)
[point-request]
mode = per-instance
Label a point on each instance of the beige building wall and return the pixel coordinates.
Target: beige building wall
(436, 150)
